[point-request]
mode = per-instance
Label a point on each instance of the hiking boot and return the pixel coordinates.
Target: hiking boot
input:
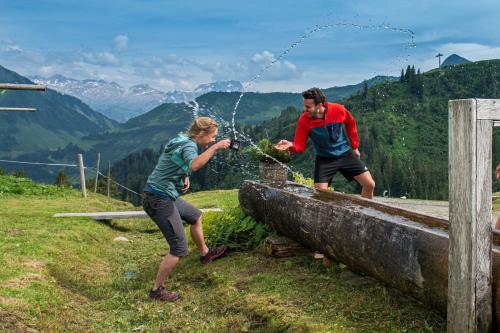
(213, 253)
(161, 294)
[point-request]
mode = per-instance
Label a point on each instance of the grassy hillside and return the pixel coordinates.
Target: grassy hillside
(69, 275)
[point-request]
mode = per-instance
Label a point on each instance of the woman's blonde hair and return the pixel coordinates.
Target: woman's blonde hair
(201, 125)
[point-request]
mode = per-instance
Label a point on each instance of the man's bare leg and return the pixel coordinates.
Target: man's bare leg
(366, 181)
(321, 186)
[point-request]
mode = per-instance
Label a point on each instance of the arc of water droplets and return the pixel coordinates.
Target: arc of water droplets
(305, 36)
(302, 38)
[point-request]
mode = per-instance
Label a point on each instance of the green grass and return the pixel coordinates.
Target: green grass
(69, 275)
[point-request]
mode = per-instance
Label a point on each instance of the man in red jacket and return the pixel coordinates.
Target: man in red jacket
(332, 130)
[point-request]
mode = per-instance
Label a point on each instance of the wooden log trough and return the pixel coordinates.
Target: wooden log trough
(401, 248)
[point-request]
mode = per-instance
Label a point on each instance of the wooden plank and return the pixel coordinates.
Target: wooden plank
(469, 273)
(119, 215)
(488, 109)
(17, 86)
(281, 247)
(18, 109)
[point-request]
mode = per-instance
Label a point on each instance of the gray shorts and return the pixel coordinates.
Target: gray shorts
(168, 215)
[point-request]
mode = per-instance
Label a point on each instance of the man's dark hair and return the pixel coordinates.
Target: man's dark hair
(316, 94)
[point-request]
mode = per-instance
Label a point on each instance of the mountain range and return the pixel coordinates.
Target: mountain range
(59, 119)
(121, 104)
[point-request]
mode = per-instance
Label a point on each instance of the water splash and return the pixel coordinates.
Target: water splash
(307, 35)
(316, 28)
(194, 106)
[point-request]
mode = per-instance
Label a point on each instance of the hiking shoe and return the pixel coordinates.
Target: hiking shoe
(213, 253)
(161, 294)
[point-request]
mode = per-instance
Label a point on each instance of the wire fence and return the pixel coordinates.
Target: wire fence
(72, 165)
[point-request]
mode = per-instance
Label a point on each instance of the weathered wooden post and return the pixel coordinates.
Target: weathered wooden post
(109, 178)
(97, 172)
(470, 177)
(82, 175)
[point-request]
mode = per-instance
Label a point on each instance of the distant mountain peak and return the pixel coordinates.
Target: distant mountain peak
(219, 86)
(120, 103)
(453, 60)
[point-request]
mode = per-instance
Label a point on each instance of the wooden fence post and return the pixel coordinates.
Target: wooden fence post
(109, 178)
(97, 172)
(469, 256)
(82, 175)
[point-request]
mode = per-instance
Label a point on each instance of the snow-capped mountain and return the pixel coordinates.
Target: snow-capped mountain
(222, 86)
(116, 102)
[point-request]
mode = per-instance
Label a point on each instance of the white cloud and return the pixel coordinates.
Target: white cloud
(8, 45)
(101, 58)
(120, 43)
(471, 51)
(166, 72)
(263, 66)
(47, 70)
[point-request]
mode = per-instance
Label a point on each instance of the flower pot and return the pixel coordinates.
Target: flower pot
(273, 171)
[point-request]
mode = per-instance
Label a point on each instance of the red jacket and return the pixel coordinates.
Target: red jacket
(328, 134)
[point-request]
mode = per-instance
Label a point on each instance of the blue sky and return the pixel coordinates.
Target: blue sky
(181, 44)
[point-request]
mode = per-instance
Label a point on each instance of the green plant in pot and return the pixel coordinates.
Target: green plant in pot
(271, 161)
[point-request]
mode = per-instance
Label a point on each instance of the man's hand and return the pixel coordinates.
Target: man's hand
(283, 145)
(356, 153)
(186, 184)
(498, 171)
(222, 144)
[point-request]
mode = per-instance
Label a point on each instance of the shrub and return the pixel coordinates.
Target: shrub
(300, 179)
(265, 152)
(235, 229)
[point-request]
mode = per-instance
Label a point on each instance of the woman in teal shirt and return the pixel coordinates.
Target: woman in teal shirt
(162, 203)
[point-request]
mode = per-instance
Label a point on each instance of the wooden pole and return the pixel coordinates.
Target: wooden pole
(97, 172)
(109, 178)
(17, 86)
(18, 109)
(82, 175)
(469, 256)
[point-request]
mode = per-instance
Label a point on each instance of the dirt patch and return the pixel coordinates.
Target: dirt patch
(36, 264)
(23, 281)
(242, 284)
(203, 280)
(12, 302)
(14, 231)
(10, 322)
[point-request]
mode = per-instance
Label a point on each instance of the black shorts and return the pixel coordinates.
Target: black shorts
(168, 215)
(349, 166)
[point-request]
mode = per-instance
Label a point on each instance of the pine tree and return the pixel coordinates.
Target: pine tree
(19, 174)
(364, 93)
(62, 179)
